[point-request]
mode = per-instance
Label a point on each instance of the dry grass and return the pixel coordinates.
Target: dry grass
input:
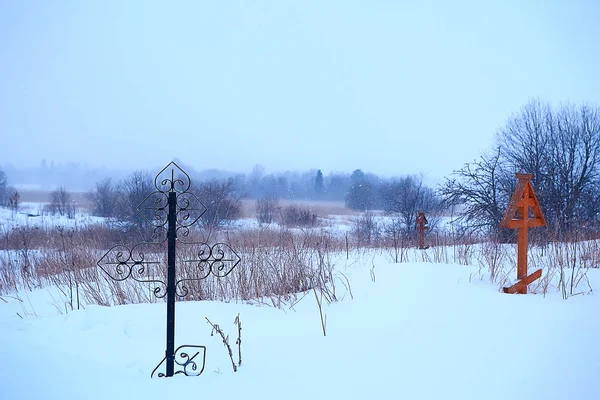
(278, 266)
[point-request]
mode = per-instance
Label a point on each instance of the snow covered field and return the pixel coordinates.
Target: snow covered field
(33, 215)
(409, 331)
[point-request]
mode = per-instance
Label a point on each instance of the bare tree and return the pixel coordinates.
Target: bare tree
(266, 209)
(481, 190)
(295, 215)
(561, 148)
(407, 196)
(61, 203)
(574, 163)
(104, 198)
(132, 192)
(4, 189)
(222, 202)
(365, 229)
(398, 236)
(13, 201)
(524, 142)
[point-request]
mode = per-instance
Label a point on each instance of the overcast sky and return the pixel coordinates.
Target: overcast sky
(391, 87)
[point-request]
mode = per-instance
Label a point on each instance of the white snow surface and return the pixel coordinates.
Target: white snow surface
(419, 331)
(32, 215)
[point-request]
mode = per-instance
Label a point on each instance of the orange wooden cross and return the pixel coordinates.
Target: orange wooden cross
(517, 216)
(421, 225)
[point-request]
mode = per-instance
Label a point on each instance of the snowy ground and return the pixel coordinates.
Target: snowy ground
(33, 215)
(412, 331)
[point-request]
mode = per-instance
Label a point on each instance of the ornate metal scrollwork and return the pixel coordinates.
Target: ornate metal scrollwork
(120, 263)
(172, 179)
(188, 362)
(155, 207)
(219, 259)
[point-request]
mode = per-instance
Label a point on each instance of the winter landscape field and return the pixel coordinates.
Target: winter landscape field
(433, 325)
(299, 200)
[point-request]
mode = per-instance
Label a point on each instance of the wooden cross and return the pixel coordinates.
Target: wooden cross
(517, 216)
(421, 225)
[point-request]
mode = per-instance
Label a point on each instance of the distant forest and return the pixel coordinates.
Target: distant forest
(360, 189)
(559, 146)
(117, 194)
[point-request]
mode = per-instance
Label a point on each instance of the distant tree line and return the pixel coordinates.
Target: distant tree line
(359, 190)
(120, 200)
(560, 147)
(307, 185)
(401, 197)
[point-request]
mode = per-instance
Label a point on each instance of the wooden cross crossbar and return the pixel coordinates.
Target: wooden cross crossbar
(517, 216)
(521, 286)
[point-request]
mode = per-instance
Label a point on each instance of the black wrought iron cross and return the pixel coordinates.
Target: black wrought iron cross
(171, 210)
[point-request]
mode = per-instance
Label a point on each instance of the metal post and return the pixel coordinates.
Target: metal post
(171, 237)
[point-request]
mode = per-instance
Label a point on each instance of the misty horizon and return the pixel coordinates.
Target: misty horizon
(391, 88)
(77, 176)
